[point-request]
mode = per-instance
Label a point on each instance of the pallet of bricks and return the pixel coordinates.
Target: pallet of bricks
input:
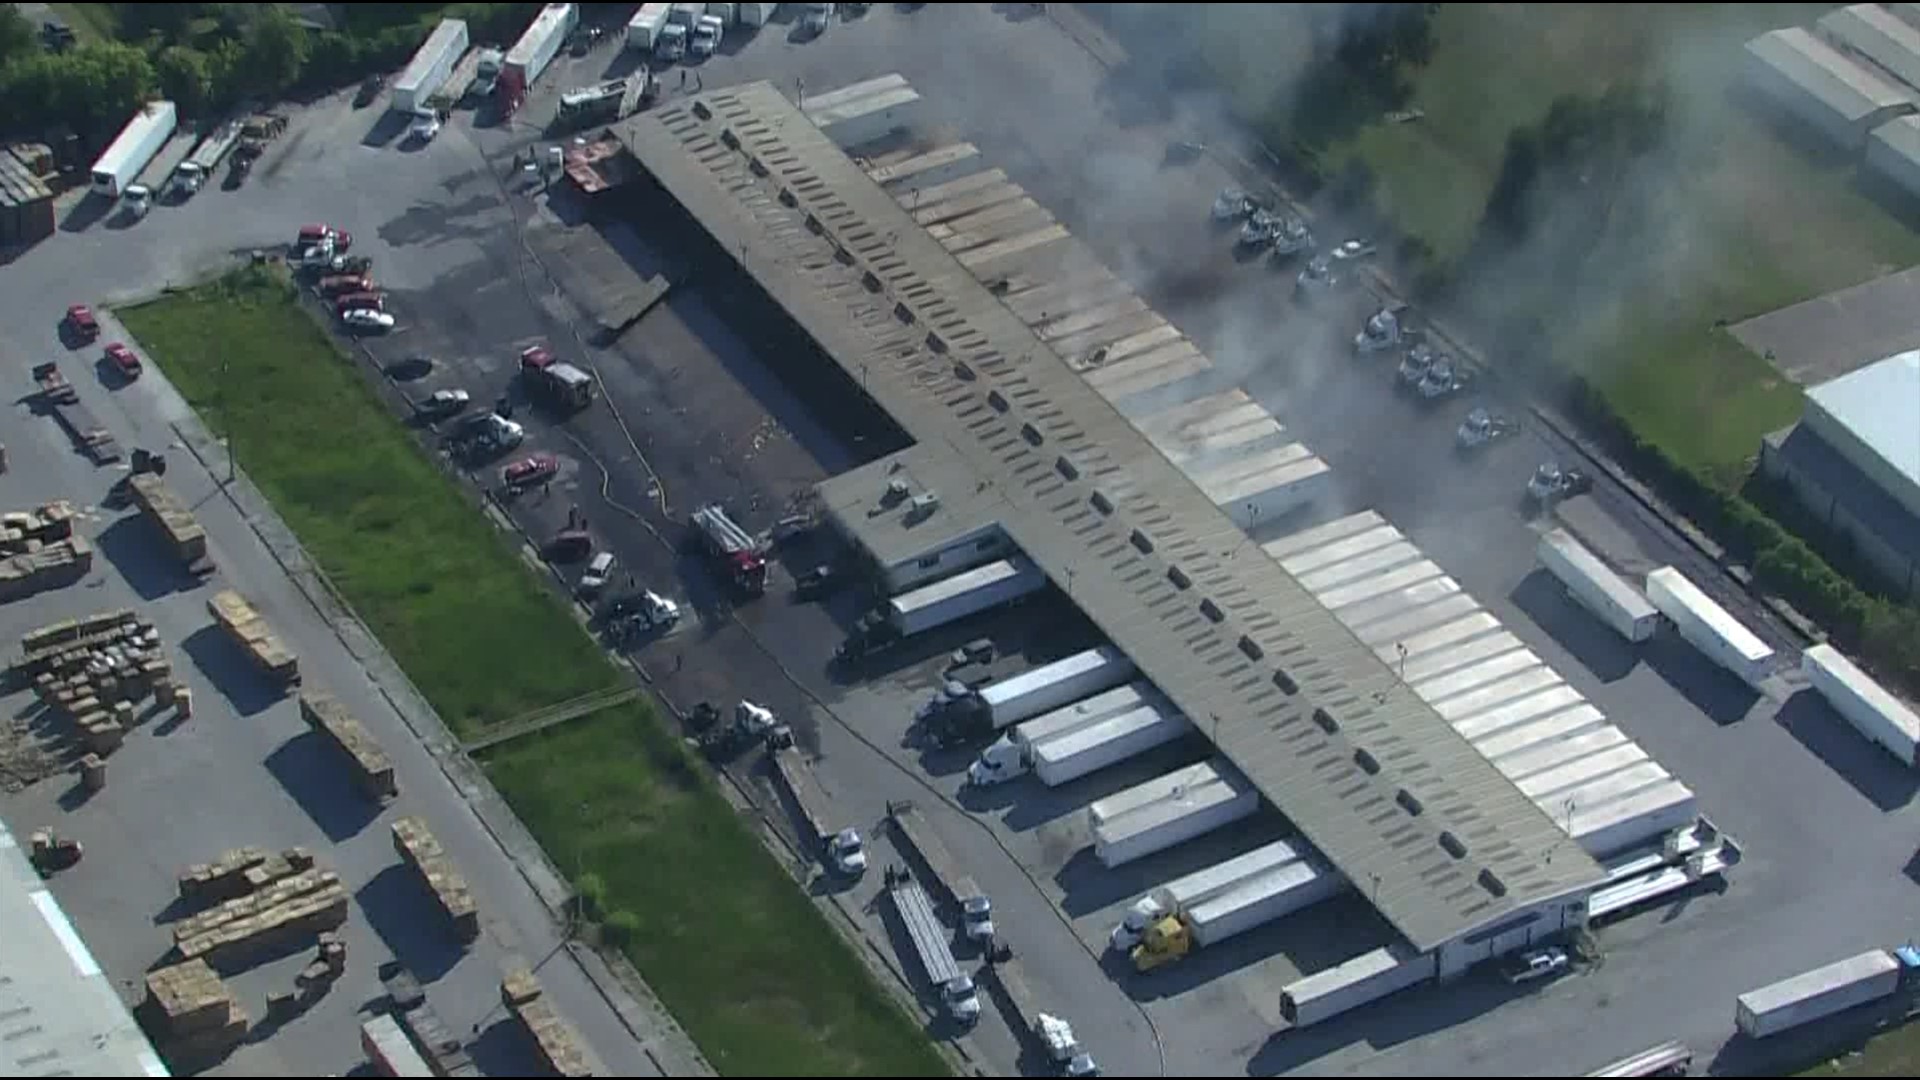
(419, 850)
(331, 720)
(559, 1046)
(251, 632)
(38, 550)
(178, 528)
(280, 910)
(190, 1014)
(94, 669)
(442, 1048)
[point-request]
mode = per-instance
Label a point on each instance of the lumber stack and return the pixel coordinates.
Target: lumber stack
(22, 530)
(190, 1012)
(558, 1044)
(372, 771)
(61, 562)
(240, 871)
(419, 850)
(300, 905)
(93, 670)
(248, 630)
(178, 528)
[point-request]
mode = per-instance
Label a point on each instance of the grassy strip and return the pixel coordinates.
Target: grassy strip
(1895, 1052)
(738, 954)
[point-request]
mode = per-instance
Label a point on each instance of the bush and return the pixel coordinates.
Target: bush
(590, 893)
(620, 928)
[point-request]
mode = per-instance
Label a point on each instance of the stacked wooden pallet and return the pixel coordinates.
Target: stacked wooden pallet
(191, 1013)
(61, 562)
(241, 871)
(251, 632)
(178, 527)
(296, 906)
(372, 770)
(419, 850)
(558, 1044)
(94, 669)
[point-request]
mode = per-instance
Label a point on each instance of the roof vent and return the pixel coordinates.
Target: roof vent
(922, 505)
(700, 109)
(896, 490)
(726, 134)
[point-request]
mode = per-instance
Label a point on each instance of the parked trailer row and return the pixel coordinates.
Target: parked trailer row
(1182, 894)
(1050, 686)
(1667, 1059)
(1708, 626)
(975, 908)
(1867, 705)
(430, 67)
(1011, 755)
(964, 594)
(536, 48)
(1365, 978)
(1824, 991)
(134, 148)
(1171, 810)
(1597, 588)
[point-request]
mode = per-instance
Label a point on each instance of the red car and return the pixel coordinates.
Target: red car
(536, 358)
(123, 360)
(342, 284)
(80, 319)
(372, 301)
(315, 235)
(530, 470)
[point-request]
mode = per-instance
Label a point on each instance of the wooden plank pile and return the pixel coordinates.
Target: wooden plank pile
(178, 528)
(240, 871)
(442, 1048)
(299, 905)
(419, 850)
(22, 530)
(372, 770)
(94, 669)
(190, 1013)
(46, 566)
(251, 632)
(556, 1040)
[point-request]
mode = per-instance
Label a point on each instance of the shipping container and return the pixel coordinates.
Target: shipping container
(1597, 588)
(1816, 994)
(1075, 754)
(1365, 978)
(1708, 626)
(964, 594)
(529, 57)
(430, 67)
(1050, 686)
(1084, 713)
(133, 149)
(1174, 820)
(643, 30)
(1867, 705)
(1161, 787)
(1272, 895)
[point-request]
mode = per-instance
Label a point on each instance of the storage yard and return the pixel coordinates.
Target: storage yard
(1109, 697)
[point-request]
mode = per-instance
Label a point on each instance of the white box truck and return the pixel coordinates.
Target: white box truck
(133, 149)
(1050, 686)
(1597, 588)
(430, 67)
(756, 14)
(1867, 705)
(1817, 994)
(643, 30)
(1708, 626)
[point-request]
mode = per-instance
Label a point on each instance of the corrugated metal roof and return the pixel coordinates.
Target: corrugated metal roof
(1880, 36)
(1880, 405)
(59, 1015)
(1901, 137)
(1286, 692)
(18, 185)
(1831, 77)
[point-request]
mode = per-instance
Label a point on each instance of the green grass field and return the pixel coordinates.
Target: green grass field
(90, 22)
(1892, 1053)
(731, 945)
(1757, 223)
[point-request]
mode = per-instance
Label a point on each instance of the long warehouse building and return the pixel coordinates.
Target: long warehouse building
(1459, 861)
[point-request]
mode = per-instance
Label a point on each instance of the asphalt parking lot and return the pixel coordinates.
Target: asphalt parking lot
(694, 413)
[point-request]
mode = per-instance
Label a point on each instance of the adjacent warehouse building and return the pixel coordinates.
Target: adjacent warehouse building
(1893, 152)
(1854, 461)
(26, 202)
(59, 1016)
(1016, 448)
(1875, 36)
(1829, 91)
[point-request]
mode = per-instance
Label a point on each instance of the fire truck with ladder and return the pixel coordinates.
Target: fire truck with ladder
(740, 556)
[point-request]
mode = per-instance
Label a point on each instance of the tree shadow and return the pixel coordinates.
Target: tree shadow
(1872, 771)
(317, 776)
(245, 687)
(404, 913)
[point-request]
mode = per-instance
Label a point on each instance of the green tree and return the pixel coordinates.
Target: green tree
(186, 78)
(169, 22)
(621, 927)
(273, 54)
(92, 89)
(16, 34)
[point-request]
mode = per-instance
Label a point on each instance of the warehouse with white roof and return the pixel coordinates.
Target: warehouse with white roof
(1826, 89)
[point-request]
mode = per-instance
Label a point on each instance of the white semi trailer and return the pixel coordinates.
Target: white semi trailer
(1597, 588)
(964, 594)
(1010, 756)
(1367, 977)
(1708, 626)
(430, 67)
(1176, 808)
(1824, 991)
(1084, 737)
(134, 148)
(1867, 705)
(1050, 686)
(1182, 895)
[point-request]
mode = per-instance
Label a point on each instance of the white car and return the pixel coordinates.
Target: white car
(1354, 249)
(598, 571)
(425, 127)
(659, 610)
(367, 319)
(1538, 964)
(849, 852)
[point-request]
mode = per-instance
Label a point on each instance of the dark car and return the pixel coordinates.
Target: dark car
(370, 88)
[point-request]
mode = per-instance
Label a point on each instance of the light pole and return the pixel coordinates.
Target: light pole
(1402, 647)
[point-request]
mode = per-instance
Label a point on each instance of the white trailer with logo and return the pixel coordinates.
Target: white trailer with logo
(1867, 705)
(1050, 686)
(430, 67)
(133, 149)
(1708, 626)
(1597, 588)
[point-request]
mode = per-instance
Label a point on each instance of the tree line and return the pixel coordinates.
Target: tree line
(210, 58)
